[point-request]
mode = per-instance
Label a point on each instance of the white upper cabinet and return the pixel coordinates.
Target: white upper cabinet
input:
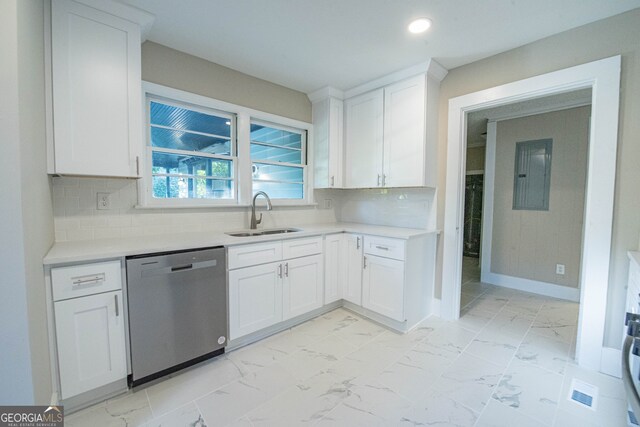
(364, 133)
(391, 130)
(327, 141)
(404, 133)
(96, 92)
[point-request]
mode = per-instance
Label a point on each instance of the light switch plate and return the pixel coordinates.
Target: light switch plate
(560, 269)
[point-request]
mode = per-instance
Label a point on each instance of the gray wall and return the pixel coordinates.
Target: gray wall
(475, 159)
(528, 244)
(27, 222)
(169, 67)
(602, 39)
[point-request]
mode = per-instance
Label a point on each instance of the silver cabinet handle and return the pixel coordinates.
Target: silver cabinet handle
(357, 242)
(87, 280)
(280, 271)
(384, 180)
(382, 248)
(137, 166)
(332, 181)
(286, 270)
(117, 308)
(365, 262)
(378, 180)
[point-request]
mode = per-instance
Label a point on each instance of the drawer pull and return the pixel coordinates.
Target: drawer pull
(117, 309)
(87, 280)
(280, 271)
(357, 242)
(383, 248)
(286, 270)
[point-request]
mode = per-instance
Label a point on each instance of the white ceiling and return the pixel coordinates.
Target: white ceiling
(309, 44)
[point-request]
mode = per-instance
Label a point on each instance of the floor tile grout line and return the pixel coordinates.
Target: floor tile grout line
(509, 364)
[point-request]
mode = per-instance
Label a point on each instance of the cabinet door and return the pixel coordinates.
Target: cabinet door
(328, 126)
(353, 264)
(96, 92)
(302, 286)
(383, 286)
(335, 267)
(404, 133)
(255, 298)
(91, 342)
(363, 141)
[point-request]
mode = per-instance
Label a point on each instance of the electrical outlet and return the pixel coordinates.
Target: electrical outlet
(328, 203)
(560, 269)
(104, 201)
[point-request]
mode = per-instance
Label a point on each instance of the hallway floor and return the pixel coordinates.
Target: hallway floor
(506, 362)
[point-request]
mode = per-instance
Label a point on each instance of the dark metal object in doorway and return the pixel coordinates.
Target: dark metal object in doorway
(473, 215)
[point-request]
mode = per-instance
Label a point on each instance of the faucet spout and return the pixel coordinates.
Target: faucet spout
(254, 221)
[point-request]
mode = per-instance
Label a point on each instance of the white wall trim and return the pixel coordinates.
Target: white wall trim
(611, 362)
(541, 109)
(603, 77)
(528, 285)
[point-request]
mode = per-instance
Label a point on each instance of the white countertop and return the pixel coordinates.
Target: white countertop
(634, 256)
(89, 250)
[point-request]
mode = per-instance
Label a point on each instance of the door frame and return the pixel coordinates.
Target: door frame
(603, 77)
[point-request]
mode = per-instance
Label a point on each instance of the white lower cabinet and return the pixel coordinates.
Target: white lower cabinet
(383, 286)
(302, 286)
(335, 267)
(90, 333)
(352, 260)
(255, 298)
(264, 295)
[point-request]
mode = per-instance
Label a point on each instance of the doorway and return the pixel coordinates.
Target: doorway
(603, 77)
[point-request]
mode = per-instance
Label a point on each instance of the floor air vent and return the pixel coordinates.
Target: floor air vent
(584, 394)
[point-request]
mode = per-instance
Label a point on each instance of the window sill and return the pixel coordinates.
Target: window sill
(274, 203)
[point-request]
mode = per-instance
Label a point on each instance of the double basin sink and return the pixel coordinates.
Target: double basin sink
(252, 233)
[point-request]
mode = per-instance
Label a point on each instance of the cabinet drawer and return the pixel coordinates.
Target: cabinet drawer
(301, 247)
(247, 255)
(384, 247)
(87, 279)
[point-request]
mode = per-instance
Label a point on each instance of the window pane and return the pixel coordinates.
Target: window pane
(279, 190)
(173, 187)
(266, 172)
(164, 163)
(181, 118)
(179, 140)
(275, 154)
(273, 136)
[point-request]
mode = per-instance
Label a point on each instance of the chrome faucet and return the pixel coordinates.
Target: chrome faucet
(254, 222)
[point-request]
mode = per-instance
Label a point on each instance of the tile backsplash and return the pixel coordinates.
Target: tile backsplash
(76, 216)
(397, 207)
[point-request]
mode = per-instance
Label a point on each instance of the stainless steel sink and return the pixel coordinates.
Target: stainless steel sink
(250, 233)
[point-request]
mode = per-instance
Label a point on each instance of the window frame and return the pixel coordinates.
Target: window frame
(243, 180)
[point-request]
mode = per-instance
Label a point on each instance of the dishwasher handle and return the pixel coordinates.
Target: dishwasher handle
(159, 271)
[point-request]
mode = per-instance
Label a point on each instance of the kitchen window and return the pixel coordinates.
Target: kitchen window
(278, 160)
(202, 152)
(191, 151)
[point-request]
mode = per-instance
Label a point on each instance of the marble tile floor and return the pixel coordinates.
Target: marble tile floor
(506, 362)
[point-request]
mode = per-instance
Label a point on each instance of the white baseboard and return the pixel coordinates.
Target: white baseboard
(436, 305)
(533, 286)
(611, 362)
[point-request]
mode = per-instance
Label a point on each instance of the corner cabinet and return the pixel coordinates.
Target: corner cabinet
(95, 92)
(328, 142)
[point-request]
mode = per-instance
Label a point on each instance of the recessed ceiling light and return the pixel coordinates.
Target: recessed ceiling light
(419, 25)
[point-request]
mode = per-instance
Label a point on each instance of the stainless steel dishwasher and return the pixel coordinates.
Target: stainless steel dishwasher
(177, 310)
